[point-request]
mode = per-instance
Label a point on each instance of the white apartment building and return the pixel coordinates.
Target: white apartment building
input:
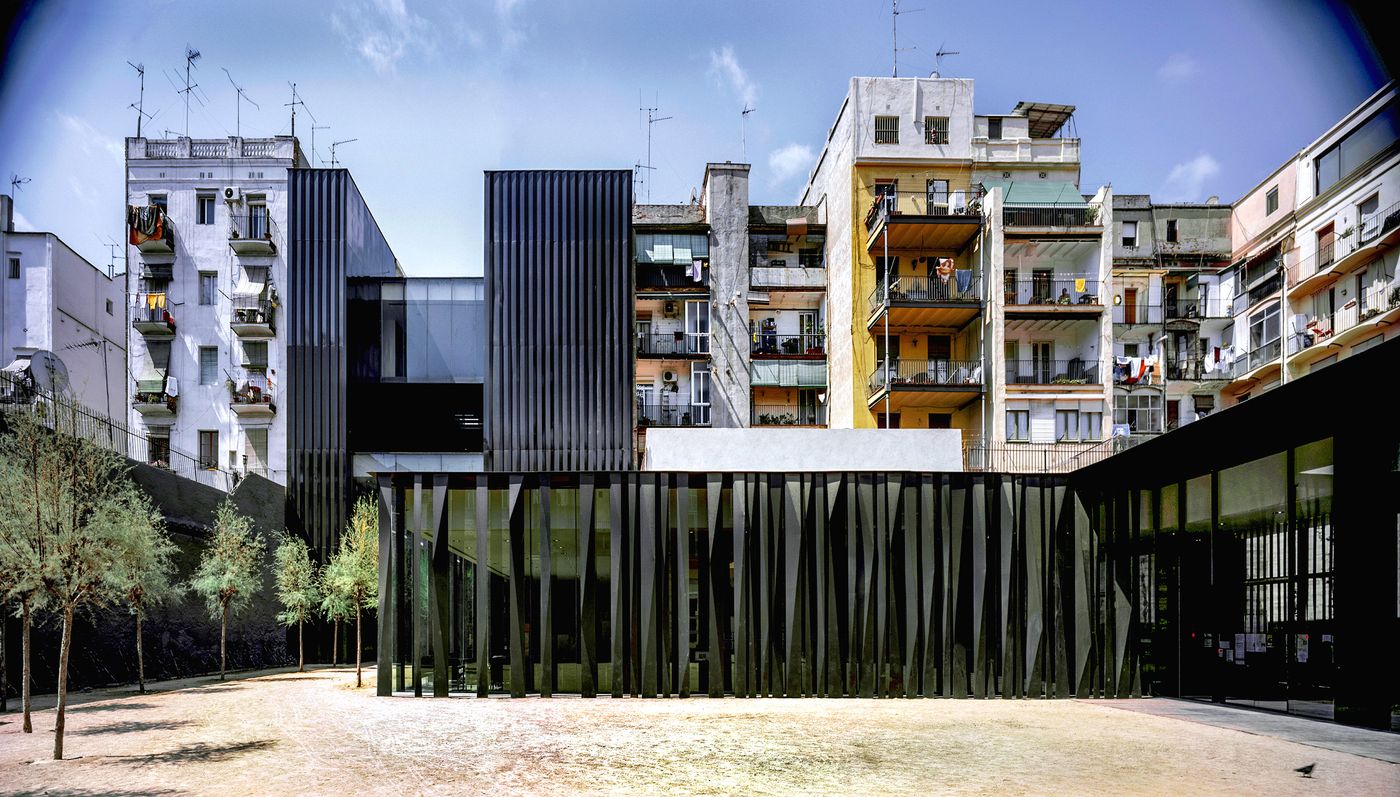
(207, 344)
(54, 300)
(967, 271)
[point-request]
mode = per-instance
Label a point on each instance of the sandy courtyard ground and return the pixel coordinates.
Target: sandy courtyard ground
(314, 733)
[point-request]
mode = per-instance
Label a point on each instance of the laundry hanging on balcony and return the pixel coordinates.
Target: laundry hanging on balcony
(147, 223)
(696, 270)
(1132, 370)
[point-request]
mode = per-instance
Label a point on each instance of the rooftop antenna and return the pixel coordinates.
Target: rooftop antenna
(938, 60)
(894, 28)
(743, 129)
(296, 100)
(314, 128)
(237, 104)
(335, 144)
(191, 55)
(652, 119)
(140, 103)
(15, 183)
(638, 177)
(112, 249)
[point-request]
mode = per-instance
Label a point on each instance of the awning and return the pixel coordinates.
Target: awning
(788, 374)
(1044, 119)
(1039, 192)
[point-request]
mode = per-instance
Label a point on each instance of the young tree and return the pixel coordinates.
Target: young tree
(144, 576)
(297, 588)
(335, 605)
(229, 571)
(353, 571)
(25, 464)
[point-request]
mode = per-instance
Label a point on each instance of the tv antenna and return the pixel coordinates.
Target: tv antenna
(894, 30)
(191, 55)
(938, 59)
(314, 128)
(743, 129)
(335, 144)
(112, 248)
(638, 177)
(140, 103)
(237, 104)
(296, 100)
(17, 182)
(652, 119)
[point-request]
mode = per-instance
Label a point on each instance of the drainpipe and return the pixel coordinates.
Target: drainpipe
(885, 234)
(1283, 304)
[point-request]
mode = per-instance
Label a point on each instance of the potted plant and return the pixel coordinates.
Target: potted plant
(1393, 300)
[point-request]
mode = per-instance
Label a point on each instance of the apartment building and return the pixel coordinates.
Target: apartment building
(730, 302)
(1169, 311)
(966, 270)
(207, 271)
(1342, 296)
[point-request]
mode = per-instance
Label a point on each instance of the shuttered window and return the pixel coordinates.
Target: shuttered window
(887, 130)
(208, 364)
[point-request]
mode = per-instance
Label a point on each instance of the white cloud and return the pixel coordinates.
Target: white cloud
(724, 68)
(511, 34)
(1178, 68)
(787, 162)
(383, 32)
(22, 223)
(1187, 180)
(89, 139)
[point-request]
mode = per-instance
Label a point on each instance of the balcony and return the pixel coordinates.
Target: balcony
(676, 345)
(1258, 365)
(808, 273)
(931, 384)
(672, 415)
(252, 233)
(1129, 315)
(1261, 291)
(150, 316)
(1196, 310)
(1051, 218)
(1376, 309)
(1058, 373)
(786, 415)
(149, 229)
(924, 220)
(1060, 296)
(254, 397)
(151, 399)
(1352, 249)
(768, 345)
(950, 301)
(1192, 368)
(253, 316)
(1026, 150)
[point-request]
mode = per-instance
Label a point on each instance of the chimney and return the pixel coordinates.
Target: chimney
(7, 213)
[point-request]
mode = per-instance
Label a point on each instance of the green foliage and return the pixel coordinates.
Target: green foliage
(351, 578)
(297, 587)
(230, 569)
(144, 575)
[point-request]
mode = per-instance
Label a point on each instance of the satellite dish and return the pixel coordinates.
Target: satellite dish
(49, 373)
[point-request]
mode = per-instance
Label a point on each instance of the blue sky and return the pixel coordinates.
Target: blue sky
(1180, 100)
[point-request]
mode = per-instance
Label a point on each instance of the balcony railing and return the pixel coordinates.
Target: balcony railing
(927, 373)
(786, 415)
(1263, 355)
(1014, 457)
(1050, 214)
(1137, 314)
(1065, 290)
(253, 392)
(1053, 372)
(1319, 261)
(959, 202)
(252, 233)
(1254, 295)
(1379, 297)
(680, 344)
(151, 315)
(253, 313)
(673, 414)
(1212, 307)
(1372, 226)
(775, 345)
(154, 396)
(962, 286)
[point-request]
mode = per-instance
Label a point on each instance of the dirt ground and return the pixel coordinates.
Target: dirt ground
(313, 733)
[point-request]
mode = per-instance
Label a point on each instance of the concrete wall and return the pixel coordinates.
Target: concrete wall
(726, 200)
(778, 450)
(911, 99)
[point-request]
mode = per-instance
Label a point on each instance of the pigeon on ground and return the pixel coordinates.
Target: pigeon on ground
(1307, 770)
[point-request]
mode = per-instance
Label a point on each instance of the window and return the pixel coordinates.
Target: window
(1018, 425)
(158, 448)
(935, 129)
(890, 421)
(1171, 231)
(208, 364)
(208, 287)
(208, 449)
(887, 130)
(204, 209)
(937, 197)
(994, 128)
(109, 307)
(1264, 327)
(1130, 349)
(1366, 219)
(255, 451)
(255, 354)
(14, 268)
(257, 217)
(1142, 412)
(1271, 201)
(1130, 233)
(1359, 146)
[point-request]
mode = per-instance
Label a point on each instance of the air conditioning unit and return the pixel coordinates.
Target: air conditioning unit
(233, 193)
(669, 310)
(668, 376)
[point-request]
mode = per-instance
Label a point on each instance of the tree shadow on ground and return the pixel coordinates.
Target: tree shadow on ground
(93, 708)
(199, 753)
(298, 678)
(132, 726)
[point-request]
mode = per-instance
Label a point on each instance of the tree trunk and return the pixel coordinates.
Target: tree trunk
(62, 683)
(140, 657)
(335, 643)
(357, 646)
(26, 697)
(223, 644)
(301, 651)
(4, 698)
